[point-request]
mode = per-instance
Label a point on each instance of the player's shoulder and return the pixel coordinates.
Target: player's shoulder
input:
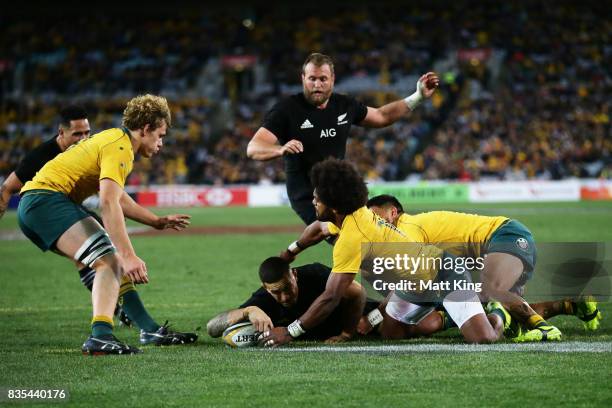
(311, 270)
(289, 102)
(342, 99)
(108, 137)
(47, 147)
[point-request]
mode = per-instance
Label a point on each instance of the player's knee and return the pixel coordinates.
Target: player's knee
(491, 288)
(478, 330)
(107, 262)
(481, 337)
(429, 325)
(96, 250)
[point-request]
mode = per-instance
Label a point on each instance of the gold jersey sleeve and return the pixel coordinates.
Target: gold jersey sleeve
(332, 228)
(77, 171)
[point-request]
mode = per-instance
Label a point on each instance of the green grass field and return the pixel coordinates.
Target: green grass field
(45, 312)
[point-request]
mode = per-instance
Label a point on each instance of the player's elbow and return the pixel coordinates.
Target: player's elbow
(108, 203)
(249, 150)
(252, 150)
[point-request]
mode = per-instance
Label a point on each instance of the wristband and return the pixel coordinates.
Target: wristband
(295, 329)
(414, 100)
(294, 248)
(375, 317)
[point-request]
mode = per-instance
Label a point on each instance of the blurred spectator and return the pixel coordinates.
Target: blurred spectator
(536, 105)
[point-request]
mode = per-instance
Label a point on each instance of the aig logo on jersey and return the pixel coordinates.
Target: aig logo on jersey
(328, 133)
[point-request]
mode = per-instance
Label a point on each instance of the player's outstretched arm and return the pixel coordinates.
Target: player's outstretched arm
(319, 310)
(335, 290)
(222, 321)
(264, 146)
(114, 224)
(392, 112)
(134, 211)
(352, 308)
(11, 185)
(312, 235)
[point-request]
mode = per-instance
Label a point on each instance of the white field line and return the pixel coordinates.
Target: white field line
(550, 347)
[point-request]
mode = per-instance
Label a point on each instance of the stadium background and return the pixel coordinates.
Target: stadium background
(523, 114)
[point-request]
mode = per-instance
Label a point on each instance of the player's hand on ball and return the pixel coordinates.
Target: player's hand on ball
(260, 319)
(173, 221)
(275, 337)
(341, 338)
(427, 84)
(134, 268)
(292, 147)
(287, 256)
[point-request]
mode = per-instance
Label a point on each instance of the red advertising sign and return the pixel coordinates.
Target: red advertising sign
(194, 197)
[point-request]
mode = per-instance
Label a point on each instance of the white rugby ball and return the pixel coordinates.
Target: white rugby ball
(241, 335)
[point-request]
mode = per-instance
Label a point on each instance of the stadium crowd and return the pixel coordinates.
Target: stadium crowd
(535, 106)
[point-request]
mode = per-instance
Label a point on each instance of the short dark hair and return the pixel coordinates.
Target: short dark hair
(384, 200)
(339, 185)
(318, 60)
(70, 113)
(273, 269)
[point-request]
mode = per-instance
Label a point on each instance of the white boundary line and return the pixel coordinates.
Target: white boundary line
(550, 347)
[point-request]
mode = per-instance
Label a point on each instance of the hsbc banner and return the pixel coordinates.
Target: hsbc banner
(193, 196)
(515, 191)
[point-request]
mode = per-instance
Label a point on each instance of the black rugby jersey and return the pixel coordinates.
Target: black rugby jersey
(311, 281)
(36, 159)
(323, 132)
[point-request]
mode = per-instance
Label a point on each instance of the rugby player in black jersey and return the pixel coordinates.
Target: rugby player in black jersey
(286, 293)
(311, 126)
(73, 127)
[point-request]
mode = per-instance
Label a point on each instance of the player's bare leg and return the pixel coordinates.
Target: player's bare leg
(106, 282)
(78, 242)
(482, 329)
(392, 329)
(501, 271)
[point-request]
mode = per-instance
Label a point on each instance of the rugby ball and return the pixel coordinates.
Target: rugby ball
(241, 335)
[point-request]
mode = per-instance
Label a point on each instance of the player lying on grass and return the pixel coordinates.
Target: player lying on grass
(412, 320)
(287, 293)
(50, 213)
(509, 255)
(73, 127)
(340, 197)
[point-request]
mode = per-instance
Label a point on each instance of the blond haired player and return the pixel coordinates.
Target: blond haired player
(51, 216)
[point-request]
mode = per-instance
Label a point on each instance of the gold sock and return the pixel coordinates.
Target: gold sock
(126, 286)
(568, 307)
(535, 320)
(102, 318)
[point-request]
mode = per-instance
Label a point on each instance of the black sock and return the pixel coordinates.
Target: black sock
(87, 277)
